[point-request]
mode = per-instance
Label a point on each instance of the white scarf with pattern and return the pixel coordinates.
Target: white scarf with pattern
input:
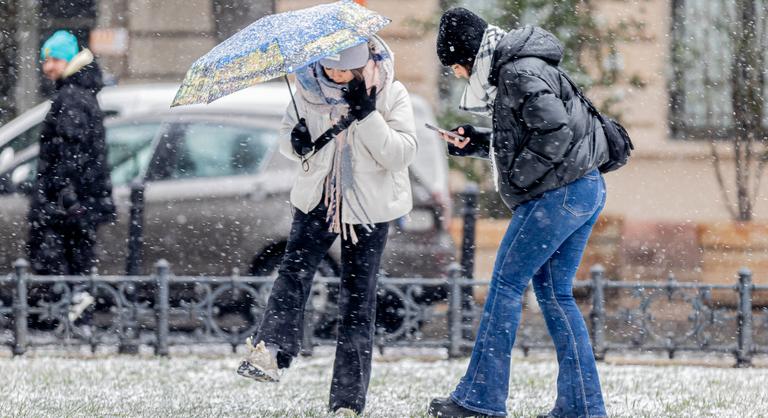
(479, 94)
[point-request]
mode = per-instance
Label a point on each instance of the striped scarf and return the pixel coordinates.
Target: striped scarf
(479, 94)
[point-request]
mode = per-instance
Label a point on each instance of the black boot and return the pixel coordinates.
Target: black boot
(446, 408)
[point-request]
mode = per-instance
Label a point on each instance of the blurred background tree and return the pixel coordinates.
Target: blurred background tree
(747, 79)
(718, 91)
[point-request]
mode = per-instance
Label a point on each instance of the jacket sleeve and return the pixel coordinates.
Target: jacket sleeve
(72, 121)
(540, 110)
(391, 141)
(479, 146)
(289, 121)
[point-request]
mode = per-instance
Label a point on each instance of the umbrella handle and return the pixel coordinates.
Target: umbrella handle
(295, 108)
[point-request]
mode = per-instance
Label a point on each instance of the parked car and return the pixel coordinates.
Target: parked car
(216, 187)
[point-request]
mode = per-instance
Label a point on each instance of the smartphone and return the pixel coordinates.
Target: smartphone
(445, 132)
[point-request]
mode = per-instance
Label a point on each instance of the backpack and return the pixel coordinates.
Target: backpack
(619, 143)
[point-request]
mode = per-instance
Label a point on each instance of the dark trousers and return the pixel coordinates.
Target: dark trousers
(283, 321)
(62, 249)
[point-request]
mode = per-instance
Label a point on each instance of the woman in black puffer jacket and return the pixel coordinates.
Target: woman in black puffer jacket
(545, 149)
(72, 193)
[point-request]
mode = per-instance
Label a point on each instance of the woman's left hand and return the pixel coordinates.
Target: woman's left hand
(361, 103)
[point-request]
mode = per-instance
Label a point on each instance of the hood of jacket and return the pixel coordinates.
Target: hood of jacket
(527, 42)
(82, 72)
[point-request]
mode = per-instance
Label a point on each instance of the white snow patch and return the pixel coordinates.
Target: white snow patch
(199, 385)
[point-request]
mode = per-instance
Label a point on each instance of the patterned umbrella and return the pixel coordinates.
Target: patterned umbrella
(275, 46)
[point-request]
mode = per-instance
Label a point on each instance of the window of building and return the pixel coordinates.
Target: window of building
(701, 57)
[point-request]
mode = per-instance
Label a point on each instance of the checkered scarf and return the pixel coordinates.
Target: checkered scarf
(479, 94)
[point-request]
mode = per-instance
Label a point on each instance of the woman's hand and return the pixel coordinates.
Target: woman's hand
(475, 142)
(361, 103)
(456, 142)
(301, 139)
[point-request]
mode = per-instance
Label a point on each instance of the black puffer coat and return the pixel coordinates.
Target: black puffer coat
(543, 135)
(72, 172)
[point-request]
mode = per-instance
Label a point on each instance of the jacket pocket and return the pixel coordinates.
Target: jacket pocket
(528, 168)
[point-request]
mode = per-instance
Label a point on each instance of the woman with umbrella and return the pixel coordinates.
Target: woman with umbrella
(352, 186)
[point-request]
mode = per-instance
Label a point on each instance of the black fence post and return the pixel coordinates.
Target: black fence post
(468, 247)
(135, 230)
(469, 214)
(597, 316)
(20, 307)
(162, 308)
(455, 312)
(744, 351)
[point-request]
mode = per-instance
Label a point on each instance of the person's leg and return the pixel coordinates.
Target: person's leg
(578, 385)
(283, 321)
(357, 313)
(80, 258)
(46, 250)
(537, 229)
(46, 253)
(80, 250)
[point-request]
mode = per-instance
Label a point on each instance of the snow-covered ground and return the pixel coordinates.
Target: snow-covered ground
(205, 385)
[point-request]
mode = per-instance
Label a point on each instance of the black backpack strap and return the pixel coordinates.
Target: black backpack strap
(580, 94)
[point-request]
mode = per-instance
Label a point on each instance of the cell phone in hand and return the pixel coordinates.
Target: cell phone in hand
(445, 132)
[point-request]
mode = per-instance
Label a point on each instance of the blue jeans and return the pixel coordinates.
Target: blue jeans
(544, 243)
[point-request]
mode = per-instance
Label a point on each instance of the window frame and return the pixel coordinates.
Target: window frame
(676, 115)
(164, 164)
(162, 127)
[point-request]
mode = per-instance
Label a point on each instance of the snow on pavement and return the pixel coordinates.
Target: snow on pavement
(200, 385)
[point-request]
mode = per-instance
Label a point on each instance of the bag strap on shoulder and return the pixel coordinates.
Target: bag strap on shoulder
(580, 94)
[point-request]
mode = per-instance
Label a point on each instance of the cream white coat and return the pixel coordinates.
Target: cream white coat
(383, 145)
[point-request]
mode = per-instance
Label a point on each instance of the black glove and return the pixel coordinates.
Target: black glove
(478, 145)
(360, 102)
(301, 139)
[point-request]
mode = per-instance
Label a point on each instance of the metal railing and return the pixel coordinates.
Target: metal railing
(163, 310)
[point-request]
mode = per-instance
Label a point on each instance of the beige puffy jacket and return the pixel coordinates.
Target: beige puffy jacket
(383, 145)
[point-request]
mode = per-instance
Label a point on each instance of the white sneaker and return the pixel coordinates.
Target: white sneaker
(259, 364)
(80, 302)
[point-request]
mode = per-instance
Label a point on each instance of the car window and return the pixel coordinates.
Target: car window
(213, 150)
(27, 138)
(129, 153)
(130, 150)
(20, 142)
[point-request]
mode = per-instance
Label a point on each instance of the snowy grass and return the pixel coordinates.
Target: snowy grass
(200, 385)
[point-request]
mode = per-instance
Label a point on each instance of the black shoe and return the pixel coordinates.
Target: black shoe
(446, 408)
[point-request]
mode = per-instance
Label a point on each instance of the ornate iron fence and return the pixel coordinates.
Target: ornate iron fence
(162, 310)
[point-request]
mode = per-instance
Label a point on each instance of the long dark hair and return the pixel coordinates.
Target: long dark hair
(358, 73)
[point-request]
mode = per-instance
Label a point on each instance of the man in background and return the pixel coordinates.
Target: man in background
(72, 194)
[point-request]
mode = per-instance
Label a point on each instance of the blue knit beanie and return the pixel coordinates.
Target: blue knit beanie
(61, 45)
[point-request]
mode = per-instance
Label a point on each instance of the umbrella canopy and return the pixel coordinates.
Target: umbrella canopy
(276, 45)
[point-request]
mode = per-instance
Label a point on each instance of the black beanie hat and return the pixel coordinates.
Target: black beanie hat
(459, 36)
